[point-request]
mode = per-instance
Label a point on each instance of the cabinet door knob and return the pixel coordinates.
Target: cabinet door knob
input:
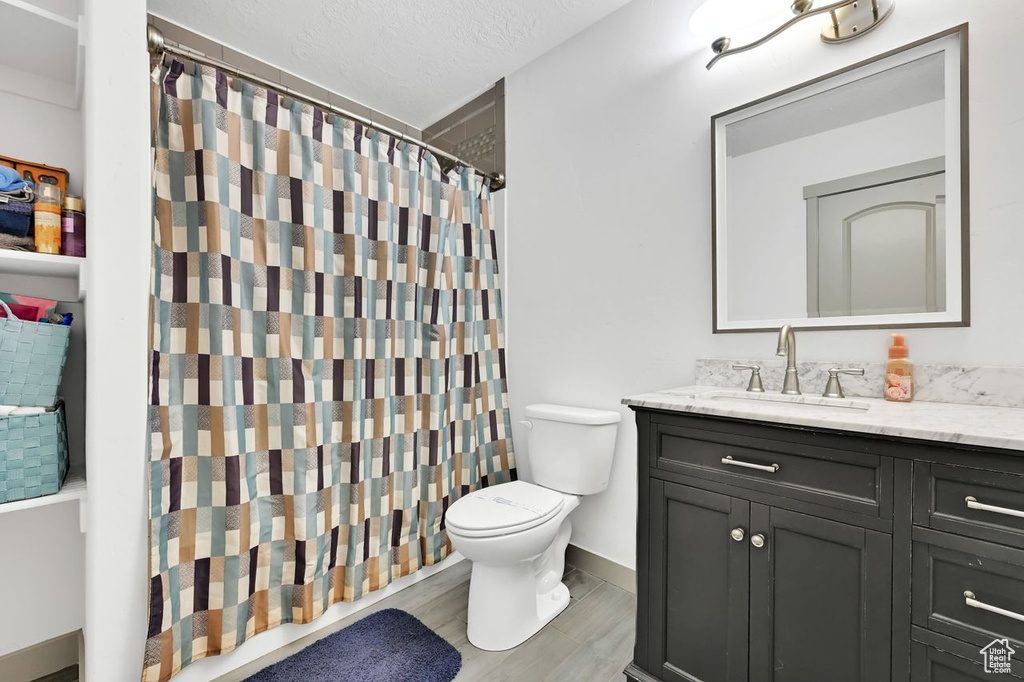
(757, 540)
(737, 534)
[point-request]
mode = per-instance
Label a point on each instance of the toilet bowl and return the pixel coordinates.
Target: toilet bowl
(516, 533)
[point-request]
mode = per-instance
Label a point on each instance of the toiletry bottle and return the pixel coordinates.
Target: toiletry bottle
(47, 218)
(899, 372)
(72, 227)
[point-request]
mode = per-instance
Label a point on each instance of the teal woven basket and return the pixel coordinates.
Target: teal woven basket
(33, 455)
(32, 359)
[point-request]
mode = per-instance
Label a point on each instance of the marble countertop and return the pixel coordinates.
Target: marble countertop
(995, 427)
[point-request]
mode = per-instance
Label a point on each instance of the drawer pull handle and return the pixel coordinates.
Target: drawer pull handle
(971, 601)
(770, 468)
(972, 503)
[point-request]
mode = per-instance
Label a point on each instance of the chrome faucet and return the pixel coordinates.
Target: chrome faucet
(787, 347)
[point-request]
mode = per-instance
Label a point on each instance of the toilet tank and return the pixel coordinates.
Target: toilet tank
(570, 448)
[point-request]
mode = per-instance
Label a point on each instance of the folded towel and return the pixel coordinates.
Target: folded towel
(16, 207)
(16, 411)
(24, 195)
(13, 243)
(16, 218)
(11, 180)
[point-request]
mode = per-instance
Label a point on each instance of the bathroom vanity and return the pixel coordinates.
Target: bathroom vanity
(802, 539)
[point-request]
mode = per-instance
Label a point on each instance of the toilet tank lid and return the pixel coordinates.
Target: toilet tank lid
(572, 415)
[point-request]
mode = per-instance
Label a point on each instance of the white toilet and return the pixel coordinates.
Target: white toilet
(516, 533)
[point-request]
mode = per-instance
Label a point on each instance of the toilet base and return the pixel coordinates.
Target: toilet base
(509, 604)
(524, 617)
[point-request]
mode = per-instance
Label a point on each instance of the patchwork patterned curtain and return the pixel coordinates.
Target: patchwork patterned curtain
(328, 370)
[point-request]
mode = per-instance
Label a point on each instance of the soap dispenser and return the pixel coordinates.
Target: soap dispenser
(899, 372)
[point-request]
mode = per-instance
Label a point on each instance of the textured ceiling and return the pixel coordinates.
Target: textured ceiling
(415, 60)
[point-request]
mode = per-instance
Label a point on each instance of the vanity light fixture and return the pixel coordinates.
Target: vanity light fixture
(847, 19)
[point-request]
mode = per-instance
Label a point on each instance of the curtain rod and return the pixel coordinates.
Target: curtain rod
(158, 47)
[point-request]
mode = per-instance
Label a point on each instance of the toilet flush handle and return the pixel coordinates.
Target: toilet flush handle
(527, 423)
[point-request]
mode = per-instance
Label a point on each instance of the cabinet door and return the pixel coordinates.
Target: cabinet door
(820, 599)
(698, 585)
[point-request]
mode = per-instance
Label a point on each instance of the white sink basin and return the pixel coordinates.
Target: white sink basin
(772, 401)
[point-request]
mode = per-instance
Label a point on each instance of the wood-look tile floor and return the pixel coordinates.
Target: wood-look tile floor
(591, 641)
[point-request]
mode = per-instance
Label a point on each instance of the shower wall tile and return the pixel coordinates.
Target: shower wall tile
(475, 132)
(305, 87)
(389, 122)
(350, 105)
(246, 63)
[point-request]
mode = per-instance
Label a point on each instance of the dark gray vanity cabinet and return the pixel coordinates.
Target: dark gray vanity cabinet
(774, 553)
(710, 572)
(821, 600)
(812, 593)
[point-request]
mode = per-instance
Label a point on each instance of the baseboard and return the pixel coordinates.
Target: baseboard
(40, 660)
(601, 567)
(635, 674)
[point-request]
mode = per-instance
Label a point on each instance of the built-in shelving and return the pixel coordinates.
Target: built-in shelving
(28, 263)
(53, 74)
(42, 68)
(74, 490)
(41, 264)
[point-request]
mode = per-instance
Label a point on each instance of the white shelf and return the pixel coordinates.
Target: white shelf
(53, 74)
(40, 264)
(28, 263)
(73, 490)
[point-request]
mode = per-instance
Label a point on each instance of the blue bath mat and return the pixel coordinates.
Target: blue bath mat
(387, 646)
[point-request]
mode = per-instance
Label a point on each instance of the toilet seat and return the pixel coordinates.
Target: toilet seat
(503, 509)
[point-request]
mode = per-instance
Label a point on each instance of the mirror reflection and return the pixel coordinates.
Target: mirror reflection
(838, 203)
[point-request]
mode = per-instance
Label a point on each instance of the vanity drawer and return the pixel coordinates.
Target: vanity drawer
(986, 505)
(967, 589)
(931, 664)
(853, 481)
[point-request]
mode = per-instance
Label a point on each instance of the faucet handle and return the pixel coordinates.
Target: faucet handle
(755, 385)
(833, 389)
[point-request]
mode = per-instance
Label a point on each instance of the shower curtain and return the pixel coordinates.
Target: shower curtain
(328, 364)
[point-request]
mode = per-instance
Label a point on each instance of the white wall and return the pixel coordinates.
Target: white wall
(44, 133)
(40, 581)
(117, 156)
(609, 204)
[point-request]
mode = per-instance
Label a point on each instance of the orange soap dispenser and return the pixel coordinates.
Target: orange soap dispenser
(899, 372)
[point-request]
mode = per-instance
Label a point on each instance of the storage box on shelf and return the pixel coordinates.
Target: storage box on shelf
(33, 454)
(32, 357)
(73, 490)
(33, 445)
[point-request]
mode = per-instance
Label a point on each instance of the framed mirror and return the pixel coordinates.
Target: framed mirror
(843, 202)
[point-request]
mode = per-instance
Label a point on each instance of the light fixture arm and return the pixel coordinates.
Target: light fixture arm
(831, 7)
